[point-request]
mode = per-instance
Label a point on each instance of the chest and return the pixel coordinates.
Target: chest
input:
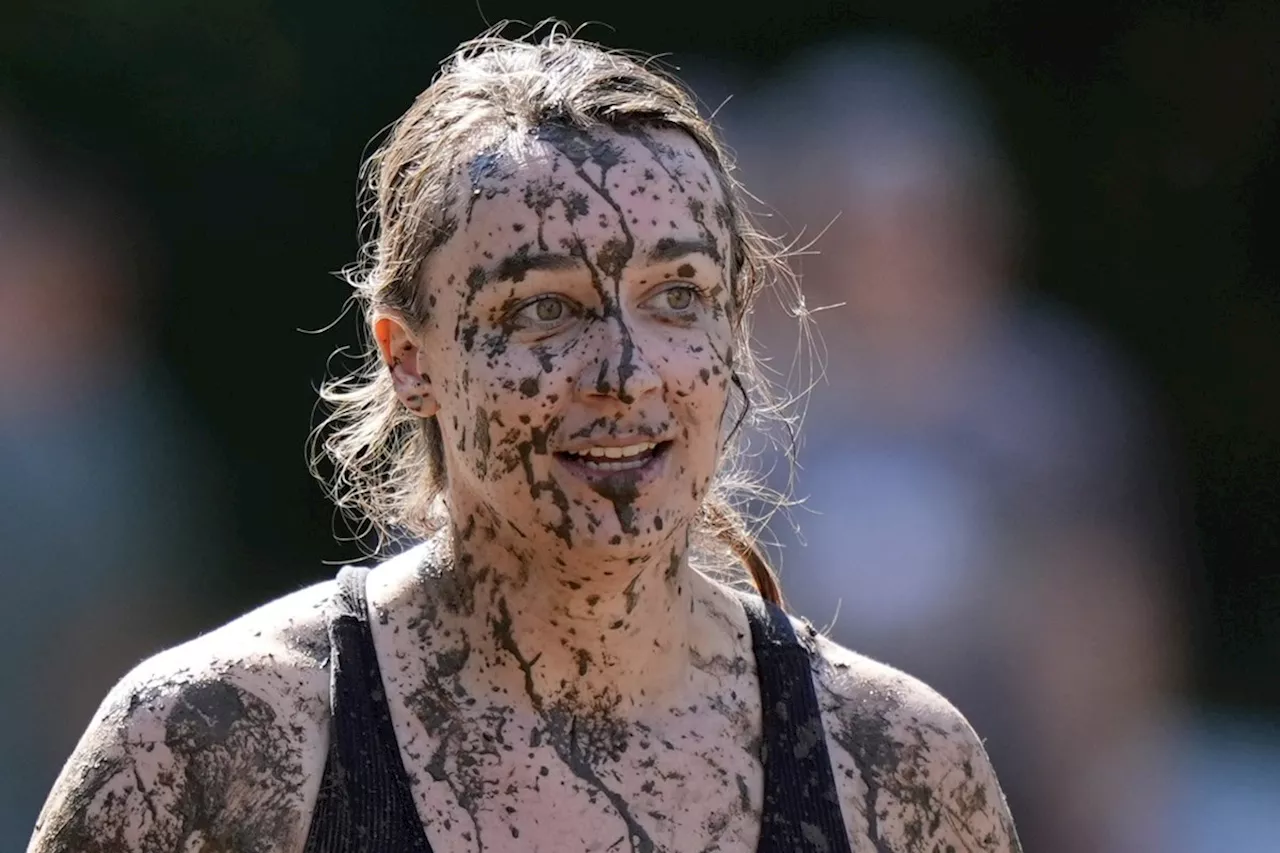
(494, 776)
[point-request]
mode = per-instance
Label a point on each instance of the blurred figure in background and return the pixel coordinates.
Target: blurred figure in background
(105, 493)
(981, 461)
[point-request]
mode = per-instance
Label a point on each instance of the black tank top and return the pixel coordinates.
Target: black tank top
(366, 806)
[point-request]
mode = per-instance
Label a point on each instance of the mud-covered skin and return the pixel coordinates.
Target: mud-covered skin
(503, 760)
(559, 677)
(623, 238)
(912, 775)
(495, 767)
(220, 744)
(216, 745)
(557, 616)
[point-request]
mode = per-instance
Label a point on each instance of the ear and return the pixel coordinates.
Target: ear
(402, 353)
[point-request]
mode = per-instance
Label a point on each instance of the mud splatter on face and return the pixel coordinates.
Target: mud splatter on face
(622, 494)
(581, 302)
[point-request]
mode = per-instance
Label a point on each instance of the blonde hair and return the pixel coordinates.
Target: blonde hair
(388, 466)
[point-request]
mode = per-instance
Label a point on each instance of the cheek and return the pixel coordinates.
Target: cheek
(697, 378)
(703, 406)
(510, 404)
(699, 362)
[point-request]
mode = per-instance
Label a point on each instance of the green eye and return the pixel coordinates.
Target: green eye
(545, 313)
(679, 298)
(549, 310)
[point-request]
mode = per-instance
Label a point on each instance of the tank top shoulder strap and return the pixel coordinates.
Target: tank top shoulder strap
(801, 804)
(365, 803)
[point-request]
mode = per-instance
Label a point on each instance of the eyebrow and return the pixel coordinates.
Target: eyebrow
(671, 249)
(514, 267)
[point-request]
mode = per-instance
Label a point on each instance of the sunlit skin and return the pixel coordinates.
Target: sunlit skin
(583, 302)
(559, 676)
(580, 303)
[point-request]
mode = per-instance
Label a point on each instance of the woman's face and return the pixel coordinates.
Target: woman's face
(578, 345)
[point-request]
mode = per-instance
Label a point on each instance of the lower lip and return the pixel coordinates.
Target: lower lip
(632, 477)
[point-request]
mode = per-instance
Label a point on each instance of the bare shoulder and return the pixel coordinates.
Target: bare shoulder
(216, 744)
(912, 774)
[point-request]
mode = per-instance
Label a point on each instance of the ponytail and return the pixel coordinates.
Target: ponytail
(733, 534)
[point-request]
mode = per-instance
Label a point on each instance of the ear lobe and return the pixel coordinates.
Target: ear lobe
(402, 355)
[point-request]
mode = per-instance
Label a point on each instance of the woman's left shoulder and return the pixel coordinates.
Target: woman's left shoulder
(911, 772)
(859, 689)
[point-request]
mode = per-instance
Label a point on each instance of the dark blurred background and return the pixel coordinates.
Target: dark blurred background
(178, 183)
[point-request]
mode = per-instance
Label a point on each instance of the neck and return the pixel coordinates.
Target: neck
(578, 628)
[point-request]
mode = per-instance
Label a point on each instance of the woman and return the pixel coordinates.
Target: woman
(558, 289)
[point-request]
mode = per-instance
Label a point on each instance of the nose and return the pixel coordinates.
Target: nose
(619, 368)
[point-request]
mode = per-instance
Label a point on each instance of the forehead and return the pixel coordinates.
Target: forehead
(557, 185)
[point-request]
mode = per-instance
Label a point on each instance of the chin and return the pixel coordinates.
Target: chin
(612, 529)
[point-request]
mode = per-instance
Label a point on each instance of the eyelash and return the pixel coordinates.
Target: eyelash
(698, 296)
(521, 309)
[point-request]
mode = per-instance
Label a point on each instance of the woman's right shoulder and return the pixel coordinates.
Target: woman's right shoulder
(218, 743)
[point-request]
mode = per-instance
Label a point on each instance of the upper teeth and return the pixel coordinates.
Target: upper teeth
(616, 452)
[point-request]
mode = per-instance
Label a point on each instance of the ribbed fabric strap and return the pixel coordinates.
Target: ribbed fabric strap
(801, 805)
(365, 803)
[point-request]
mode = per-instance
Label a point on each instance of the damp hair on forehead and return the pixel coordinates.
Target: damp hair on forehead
(383, 465)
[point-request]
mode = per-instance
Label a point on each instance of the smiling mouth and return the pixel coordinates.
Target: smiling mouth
(603, 461)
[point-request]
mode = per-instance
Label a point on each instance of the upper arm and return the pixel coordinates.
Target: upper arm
(206, 747)
(912, 774)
